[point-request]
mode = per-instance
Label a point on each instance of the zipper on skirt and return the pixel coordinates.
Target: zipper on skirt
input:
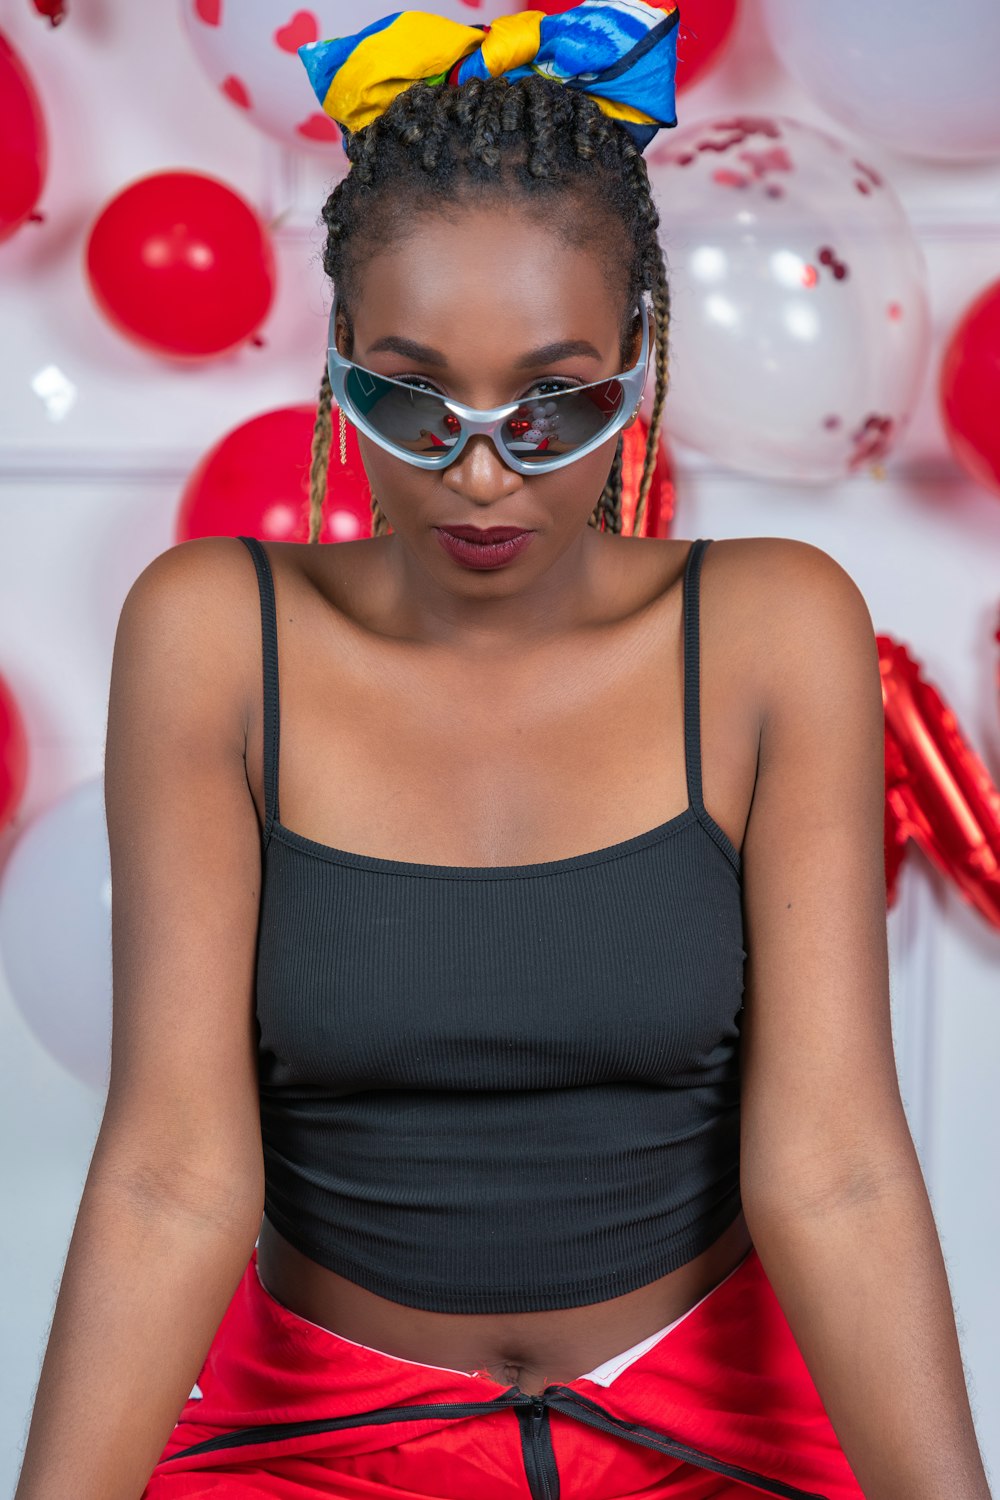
(537, 1451)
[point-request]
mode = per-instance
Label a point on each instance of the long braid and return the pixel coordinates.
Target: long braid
(661, 309)
(530, 138)
(319, 466)
(656, 280)
(609, 507)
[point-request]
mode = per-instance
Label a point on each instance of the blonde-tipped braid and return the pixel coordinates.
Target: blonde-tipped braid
(320, 464)
(661, 307)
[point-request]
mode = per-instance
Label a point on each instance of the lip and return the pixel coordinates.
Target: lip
(485, 533)
(465, 545)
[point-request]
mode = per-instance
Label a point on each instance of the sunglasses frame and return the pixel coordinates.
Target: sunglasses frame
(489, 421)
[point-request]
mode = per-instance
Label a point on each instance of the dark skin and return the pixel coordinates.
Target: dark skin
(576, 639)
(578, 644)
(524, 714)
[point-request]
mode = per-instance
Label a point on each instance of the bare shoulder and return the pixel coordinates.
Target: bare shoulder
(194, 611)
(769, 607)
(788, 574)
(793, 612)
(194, 581)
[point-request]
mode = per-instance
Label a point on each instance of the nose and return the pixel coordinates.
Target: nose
(480, 474)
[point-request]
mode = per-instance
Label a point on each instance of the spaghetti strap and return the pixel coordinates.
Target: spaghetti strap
(692, 684)
(269, 651)
(692, 701)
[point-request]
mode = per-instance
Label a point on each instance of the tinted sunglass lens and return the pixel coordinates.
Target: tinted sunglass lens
(412, 418)
(562, 422)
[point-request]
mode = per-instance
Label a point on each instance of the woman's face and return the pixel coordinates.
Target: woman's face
(461, 303)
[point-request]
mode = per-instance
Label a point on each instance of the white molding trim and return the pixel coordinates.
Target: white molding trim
(49, 465)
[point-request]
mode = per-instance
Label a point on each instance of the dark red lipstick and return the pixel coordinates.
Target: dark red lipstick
(483, 546)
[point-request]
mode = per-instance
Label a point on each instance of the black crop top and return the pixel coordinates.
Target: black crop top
(501, 1088)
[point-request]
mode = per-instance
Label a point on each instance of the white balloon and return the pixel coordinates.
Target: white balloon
(248, 50)
(916, 76)
(55, 931)
(800, 324)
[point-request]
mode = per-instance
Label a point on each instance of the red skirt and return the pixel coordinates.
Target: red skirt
(719, 1407)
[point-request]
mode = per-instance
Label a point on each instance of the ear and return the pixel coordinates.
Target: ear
(343, 335)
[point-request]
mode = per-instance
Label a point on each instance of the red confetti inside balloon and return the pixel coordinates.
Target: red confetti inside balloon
(235, 89)
(318, 127)
(302, 28)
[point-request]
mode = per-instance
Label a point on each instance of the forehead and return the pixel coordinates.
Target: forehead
(491, 274)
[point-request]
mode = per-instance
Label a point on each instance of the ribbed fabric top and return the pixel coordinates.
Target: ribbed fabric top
(501, 1088)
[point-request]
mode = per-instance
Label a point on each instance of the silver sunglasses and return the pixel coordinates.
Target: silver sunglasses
(429, 430)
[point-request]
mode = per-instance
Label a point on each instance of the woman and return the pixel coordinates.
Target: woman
(558, 1199)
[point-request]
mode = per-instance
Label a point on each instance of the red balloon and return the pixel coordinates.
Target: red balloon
(702, 32)
(255, 481)
(969, 389)
(659, 510)
(24, 154)
(13, 754)
(182, 265)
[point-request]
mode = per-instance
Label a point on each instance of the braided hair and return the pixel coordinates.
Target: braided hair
(532, 137)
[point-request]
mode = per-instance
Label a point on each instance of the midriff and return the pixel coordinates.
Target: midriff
(530, 1349)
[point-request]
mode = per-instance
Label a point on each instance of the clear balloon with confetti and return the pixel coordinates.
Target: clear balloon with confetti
(800, 323)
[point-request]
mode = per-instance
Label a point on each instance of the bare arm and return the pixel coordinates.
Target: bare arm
(173, 1198)
(832, 1188)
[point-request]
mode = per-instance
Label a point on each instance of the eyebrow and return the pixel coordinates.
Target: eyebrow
(545, 354)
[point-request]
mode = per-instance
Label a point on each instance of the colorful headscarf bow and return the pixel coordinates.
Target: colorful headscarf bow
(622, 52)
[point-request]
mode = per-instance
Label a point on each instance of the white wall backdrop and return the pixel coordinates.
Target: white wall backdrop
(86, 501)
